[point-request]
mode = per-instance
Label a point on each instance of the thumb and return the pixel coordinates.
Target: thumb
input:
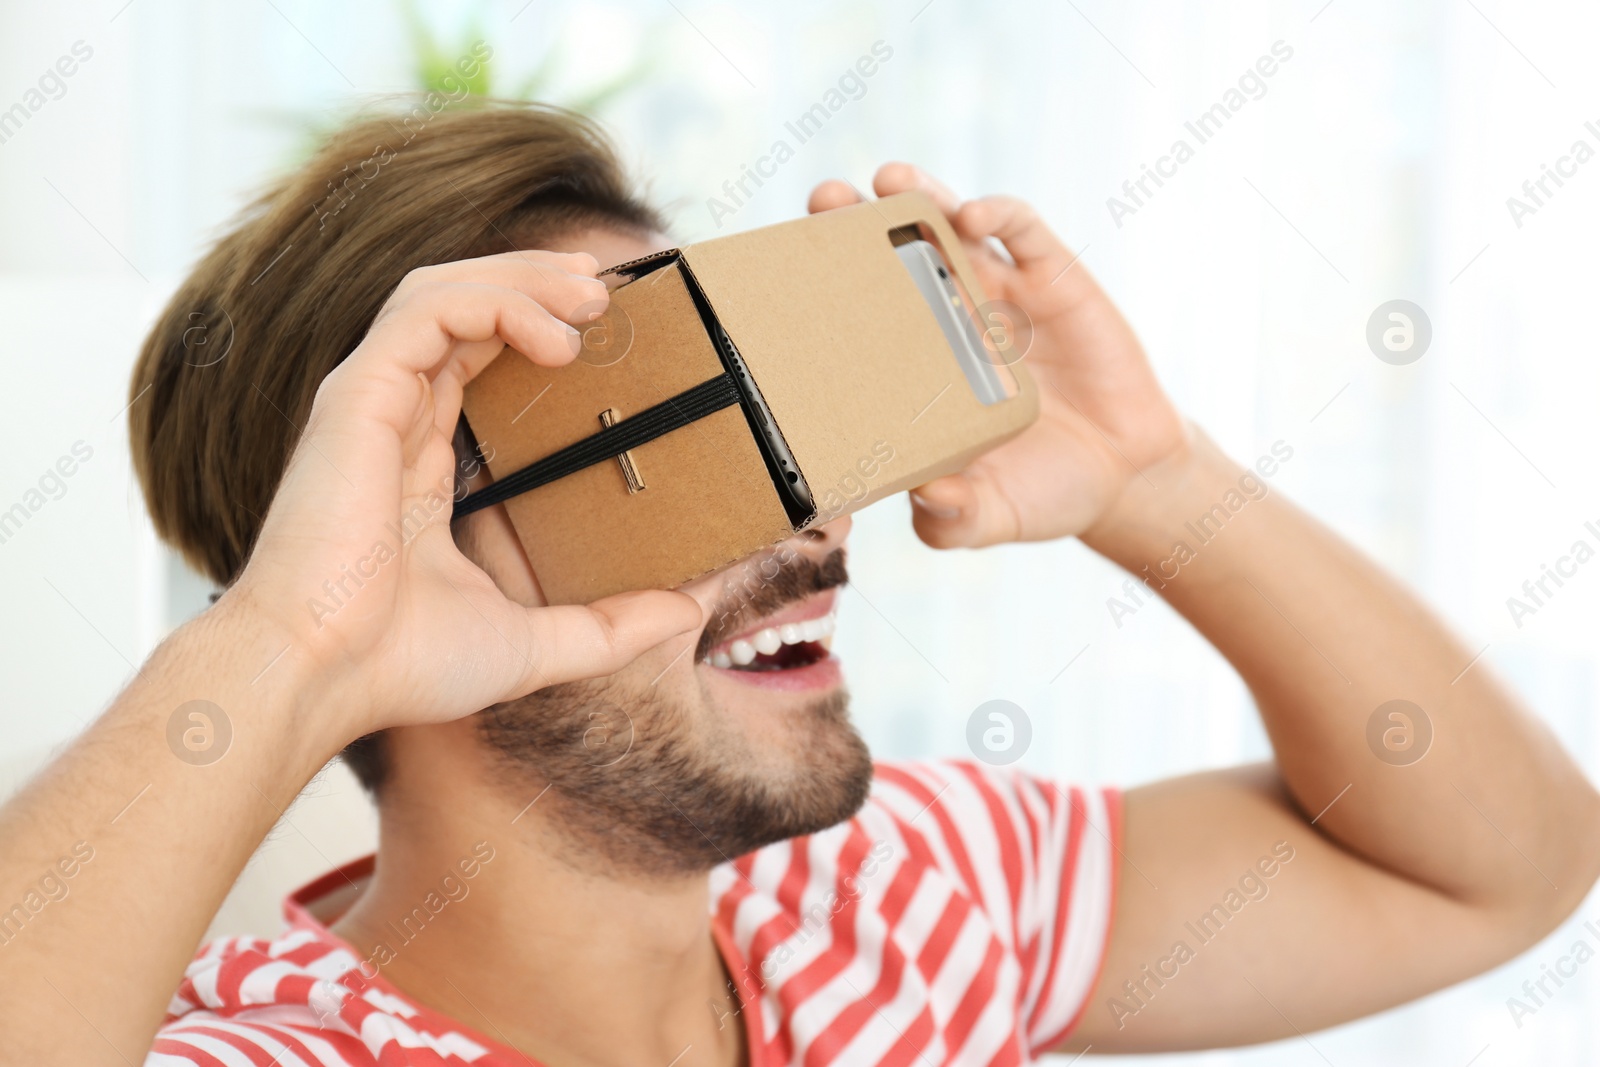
(587, 641)
(964, 510)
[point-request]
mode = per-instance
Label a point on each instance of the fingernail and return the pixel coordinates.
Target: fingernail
(934, 510)
(574, 339)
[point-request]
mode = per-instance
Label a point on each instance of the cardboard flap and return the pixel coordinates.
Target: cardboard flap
(842, 371)
(707, 496)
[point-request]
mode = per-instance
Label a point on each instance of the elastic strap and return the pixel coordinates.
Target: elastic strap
(671, 414)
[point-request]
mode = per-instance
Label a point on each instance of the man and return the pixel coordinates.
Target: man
(635, 855)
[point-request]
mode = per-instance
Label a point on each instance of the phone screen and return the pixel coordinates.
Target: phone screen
(983, 354)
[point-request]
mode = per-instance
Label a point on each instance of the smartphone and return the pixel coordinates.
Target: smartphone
(984, 370)
(786, 477)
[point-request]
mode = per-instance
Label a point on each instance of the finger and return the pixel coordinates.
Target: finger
(535, 259)
(564, 283)
(426, 451)
(577, 641)
(903, 177)
(1017, 226)
(831, 194)
(962, 511)
(424, 424)
(448, 333)
(427, 330)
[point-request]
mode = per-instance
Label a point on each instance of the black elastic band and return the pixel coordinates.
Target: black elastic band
(674, 412)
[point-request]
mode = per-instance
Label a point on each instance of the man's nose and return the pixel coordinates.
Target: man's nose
(818, 541)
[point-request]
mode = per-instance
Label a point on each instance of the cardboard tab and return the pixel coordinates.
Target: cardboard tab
(585, 535)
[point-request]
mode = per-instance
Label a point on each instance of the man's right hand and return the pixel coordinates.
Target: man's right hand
(356, 565)
(425, 637)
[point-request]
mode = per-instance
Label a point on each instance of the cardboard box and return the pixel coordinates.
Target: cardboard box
(817, 322)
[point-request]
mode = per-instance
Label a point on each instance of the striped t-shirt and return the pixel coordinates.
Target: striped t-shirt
(960, 917)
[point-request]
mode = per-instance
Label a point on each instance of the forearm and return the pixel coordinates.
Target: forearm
(87, 978)
(1323, 638)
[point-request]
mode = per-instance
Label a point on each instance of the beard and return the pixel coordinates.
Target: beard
(653, 783)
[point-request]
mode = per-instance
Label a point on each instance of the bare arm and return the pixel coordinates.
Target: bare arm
(153, 841)
(1416, 876)
(1418, 872)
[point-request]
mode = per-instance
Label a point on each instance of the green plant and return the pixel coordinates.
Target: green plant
(433, 63)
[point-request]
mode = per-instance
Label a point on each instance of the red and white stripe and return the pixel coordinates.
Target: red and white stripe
(960, 918)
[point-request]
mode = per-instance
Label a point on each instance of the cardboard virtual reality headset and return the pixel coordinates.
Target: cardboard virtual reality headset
(741, 389)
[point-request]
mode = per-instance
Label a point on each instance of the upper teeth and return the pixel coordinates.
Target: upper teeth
(743, 651)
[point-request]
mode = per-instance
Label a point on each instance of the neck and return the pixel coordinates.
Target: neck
(492, 917)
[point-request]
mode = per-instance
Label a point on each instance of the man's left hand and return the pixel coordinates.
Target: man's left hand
(1103, 417)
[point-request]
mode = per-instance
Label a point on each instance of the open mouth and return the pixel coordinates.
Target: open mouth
(783, 647)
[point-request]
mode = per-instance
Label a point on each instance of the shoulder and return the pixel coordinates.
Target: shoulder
(964, 813)
(995, 837)
(950, 813)
(971, 892)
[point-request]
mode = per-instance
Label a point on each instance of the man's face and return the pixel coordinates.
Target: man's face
(712, 744)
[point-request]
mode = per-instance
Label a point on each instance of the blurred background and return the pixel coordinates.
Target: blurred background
(1374, 164)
